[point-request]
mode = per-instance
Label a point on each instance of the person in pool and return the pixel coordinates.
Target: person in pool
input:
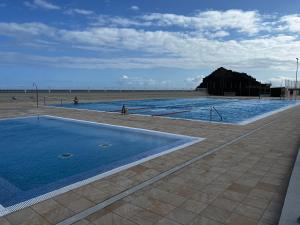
(75, 100)
(124, 110)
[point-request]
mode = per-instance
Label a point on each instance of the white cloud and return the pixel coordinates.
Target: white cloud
(135, 8)
(30, 5)
(168, 49)
(79, 11)
(104, 20)
(14, 58)
(194, 80)
(41, 4)
(217, 23)
(2, 5)
(243, 21)
(155, 47)
(121, 38)
(21, 30)
(217, 34)
(143, 82)
(291, 23)
(280, 80)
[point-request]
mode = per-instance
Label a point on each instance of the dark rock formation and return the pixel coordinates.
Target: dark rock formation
(223, 81)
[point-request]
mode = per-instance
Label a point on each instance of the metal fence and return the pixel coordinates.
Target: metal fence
(292, 84)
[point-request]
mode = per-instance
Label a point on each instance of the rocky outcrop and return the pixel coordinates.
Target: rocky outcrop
(223, 81)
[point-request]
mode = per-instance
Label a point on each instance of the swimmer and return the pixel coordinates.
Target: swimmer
(75, 100)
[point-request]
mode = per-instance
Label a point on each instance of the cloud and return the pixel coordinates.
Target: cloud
(2, 5)
(79, 11)
(243, 21)
(30, 5)
(21, 30)
(217, 34)
(104, 20)
(290, 23)
(143, 82)
(119, 38)
(135, 8)
(194, 80)
(41, 4)
(190, 47)
(73, 62)
(15, 58)
(280, 80)
(166, 49)
(216, 23)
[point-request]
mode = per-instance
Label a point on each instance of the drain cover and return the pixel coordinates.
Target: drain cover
(65, 155)
(104, 145)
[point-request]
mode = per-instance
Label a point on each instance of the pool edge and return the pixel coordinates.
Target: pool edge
(264, 115)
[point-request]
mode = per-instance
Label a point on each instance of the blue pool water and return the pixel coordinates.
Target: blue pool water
(236, 111)
(42, 154)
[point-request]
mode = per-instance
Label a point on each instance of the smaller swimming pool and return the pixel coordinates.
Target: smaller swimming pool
(44, 156)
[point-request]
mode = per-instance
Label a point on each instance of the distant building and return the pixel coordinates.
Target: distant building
(278, 92)
(290, 90)
(228, 82)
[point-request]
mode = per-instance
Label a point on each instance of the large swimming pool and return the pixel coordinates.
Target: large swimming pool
(43, 156)
(225, 110)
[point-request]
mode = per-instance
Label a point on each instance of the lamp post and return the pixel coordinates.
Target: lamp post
(296, 79)
(297, 72)
(37, 94)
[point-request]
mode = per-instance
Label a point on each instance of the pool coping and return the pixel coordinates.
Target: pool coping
(242, 123)
(264, 115)
(290, 210)
(193, 140)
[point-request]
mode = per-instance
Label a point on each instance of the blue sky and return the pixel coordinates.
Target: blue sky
(141, 44)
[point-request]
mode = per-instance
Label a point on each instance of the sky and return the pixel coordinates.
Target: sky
(145, 44)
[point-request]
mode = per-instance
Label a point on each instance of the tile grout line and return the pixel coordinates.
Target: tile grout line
(152, 180)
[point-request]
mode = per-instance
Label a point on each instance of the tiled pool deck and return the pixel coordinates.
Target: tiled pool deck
(243, 183)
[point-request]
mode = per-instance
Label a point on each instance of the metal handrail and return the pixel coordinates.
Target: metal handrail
(47, 98)
(37, 94)
(218, 113)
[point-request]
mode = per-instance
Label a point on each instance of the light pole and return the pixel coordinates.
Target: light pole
(296, 79)
(37, 94)
(297, 71)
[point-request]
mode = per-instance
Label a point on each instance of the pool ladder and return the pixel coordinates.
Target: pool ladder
(212, 108)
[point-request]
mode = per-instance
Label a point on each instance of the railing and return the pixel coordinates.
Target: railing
(291, 84)
(212, 108)
(53, 100)
(37, 94)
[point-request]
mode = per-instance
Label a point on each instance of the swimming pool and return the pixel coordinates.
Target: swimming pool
(225, 110)
(44, 156)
